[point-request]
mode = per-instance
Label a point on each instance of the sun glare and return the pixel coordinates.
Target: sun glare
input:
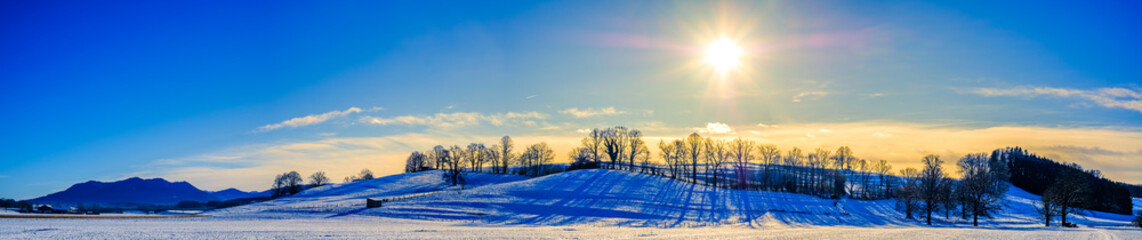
(723, 54)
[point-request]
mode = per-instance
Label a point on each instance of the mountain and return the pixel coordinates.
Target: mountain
(129, 191)
(232, 193)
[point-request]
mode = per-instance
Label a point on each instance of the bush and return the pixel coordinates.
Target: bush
(1138, 220)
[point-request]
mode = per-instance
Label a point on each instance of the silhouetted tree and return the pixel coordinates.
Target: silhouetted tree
(794, 160)
(506, 155)
(742, 151)
(475, 154)
(438, 155)
(318, 179)
(1067, 194)
(908, 194)
(983, 186)
(537, 156)
(614, 144)
(882, 169)
(931, 184)
(717, 155)
(693, 150)
(1047, 210)
(416, 162)
(365, 174)
(580, 159)
(769, 155)
(669, 156)
(635, 147)
(453, 165)
(287, 184)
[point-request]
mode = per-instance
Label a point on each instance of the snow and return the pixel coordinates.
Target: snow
(576, 204)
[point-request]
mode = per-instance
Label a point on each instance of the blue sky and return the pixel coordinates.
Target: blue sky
(225, 94)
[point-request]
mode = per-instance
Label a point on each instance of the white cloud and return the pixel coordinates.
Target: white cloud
(755, 132)
(460, 119)
(811, 95)
(825, 130)
(1106, 97)
(763, 125)
(310, 120)
(717, 128)
(530, 97)
(876, 95)
(880, 134)
(647, 113)
(591, 112)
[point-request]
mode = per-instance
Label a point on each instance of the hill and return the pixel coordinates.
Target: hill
(134, 190)
(609, 198)
(233, 193)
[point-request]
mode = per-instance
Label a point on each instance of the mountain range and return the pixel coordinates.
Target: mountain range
(136, 190)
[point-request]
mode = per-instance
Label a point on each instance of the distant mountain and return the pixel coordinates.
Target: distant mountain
(231, 193)
(130, 191)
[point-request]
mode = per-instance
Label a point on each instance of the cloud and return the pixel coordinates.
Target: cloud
(591, 112)
(459, 119)
(763, 125)
(717, 128)
(530, 97)
(1123, 98)
(310, 120)
(811, 95)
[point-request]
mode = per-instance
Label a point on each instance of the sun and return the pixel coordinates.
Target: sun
(723, 54)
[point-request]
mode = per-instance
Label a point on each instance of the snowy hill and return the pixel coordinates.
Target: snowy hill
(132, 190)
(610, 198)
(346, 198)
(232, 193)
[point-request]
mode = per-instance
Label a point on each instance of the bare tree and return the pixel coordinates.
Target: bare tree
(882, 169)
(493, 155)
(931, 184)
(475, 156)
(769, 157)
(693, 149)
(843, 162)
(742, 151)
(794, 159)
(1067, 194)
(506, 155)
(982, 187)
(667, 151)
(1047, 210)
(537, 156)
(416, 162)
(819, 163)
(634, 147)
(454, 164)
(908, 195)
(366, 174)
(594, 142)
(318, 179)
(717, 155)
(287, 184)
(439, 154)
(614, 144)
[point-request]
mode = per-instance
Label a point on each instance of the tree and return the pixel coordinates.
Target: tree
(475, 154)
(506, 155)
(365, 175)
(843, 161)
(1137, 222)
(635, 147)
(439, 154)
(287, 184)
(594, 142)
(580, 159)
(1067, 194)
(931, 184)
(318, 179)
(882, 169)
(693, 148)
(537, 156)
(794, 161)
(716, 155)
(818, 162)
(742, 151)
(666, 151)
(416, 162)
(188, 205)
(769, 156)
(614, 144)
(982, 186)
(908, 194)
(1047, 210)
(453, 164)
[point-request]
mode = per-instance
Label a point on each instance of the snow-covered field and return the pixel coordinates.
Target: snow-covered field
(577, 204)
